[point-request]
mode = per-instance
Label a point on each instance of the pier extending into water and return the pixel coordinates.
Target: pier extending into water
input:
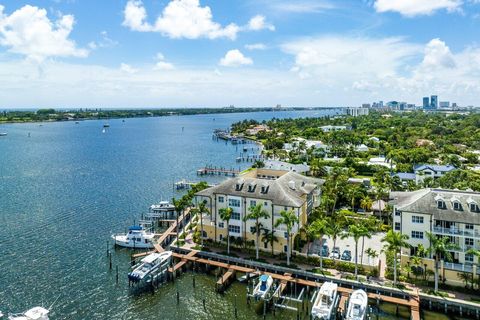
(218, 171)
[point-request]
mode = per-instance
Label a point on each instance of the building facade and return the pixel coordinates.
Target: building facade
(444, 213)
(356, 112)
(275, 190)
(426, 102)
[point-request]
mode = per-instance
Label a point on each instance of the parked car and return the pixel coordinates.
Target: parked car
(325, 251)
(335, 253)
(346, 255)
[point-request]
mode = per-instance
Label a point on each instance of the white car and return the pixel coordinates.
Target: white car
(335, 253)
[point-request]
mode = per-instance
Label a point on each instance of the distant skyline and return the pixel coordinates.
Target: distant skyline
(191, 53)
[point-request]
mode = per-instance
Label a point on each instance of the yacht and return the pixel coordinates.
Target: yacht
(325, 301)
(263, 287)
(137, 237)
(37, 313)
(357, 306)
(152, 263)
(163, 210)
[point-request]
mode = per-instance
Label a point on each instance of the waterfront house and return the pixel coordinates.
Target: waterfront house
(451, 213)
(433, 171)
(281, 165)
(276, 190)
(256, 129)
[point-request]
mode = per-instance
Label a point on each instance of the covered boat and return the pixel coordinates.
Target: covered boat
(153, 264)
(137, 237)
(37, 313)
(325, 301)
(357, 306)
(263, 287)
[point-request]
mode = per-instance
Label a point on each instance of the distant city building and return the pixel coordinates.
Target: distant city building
(366, 105)
(444, 104)
(356, 112)
(392, 105)
(434, 102)
(402, 105)
(333, 128)
(426, 102)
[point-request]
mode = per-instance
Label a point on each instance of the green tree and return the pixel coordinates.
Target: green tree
(356, 232)
(371, 254)
(318, 229)
(269, 237)
(288, 219)
(256, 213)
(201, 210)
(334, 230)
(394, 242)
(226, 215)
(440, 248)
(179, 207)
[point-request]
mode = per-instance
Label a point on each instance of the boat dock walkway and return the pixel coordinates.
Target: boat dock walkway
(218, 171)
(186, 185)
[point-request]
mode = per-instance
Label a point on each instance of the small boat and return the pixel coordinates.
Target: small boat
(153, 263)
(163, 210)
(37, 313)
(263, 287)
(103, 131)
(137, 237)
(106, 125)
(325, 301)
(3, 134)
(357, 306)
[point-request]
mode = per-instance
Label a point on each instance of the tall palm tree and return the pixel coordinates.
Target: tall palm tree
(269, 237)
(371, 254)
(288, 219)
(334, 230)
(366, 203)
(179, 207)
(356, 232)
(318, 229)
(225, 215)
(476, 253)
(370, 226)
(200, 210)
(395, 241)
(255, 213)
(354, 192)
(440, 248)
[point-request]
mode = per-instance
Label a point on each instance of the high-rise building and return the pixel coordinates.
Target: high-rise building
(426, 103)
(434, 102)
(444, 104)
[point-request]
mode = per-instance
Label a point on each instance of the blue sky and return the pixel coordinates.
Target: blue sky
(131, 53)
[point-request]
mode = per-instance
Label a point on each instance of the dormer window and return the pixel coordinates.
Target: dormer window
(457, 205)
(473, 205)
(441, 204)
(265, 188)
(251, 187)
(239, 184)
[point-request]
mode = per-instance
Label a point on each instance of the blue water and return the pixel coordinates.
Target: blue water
(68, 186)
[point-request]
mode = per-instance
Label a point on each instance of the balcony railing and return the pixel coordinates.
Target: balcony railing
(457, 232)
(459, 267)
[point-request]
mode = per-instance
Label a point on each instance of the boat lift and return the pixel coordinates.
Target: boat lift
(335, 303)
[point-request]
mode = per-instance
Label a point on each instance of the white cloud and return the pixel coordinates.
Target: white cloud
(104, 42)
(256, 46)
(128, 68)
(412, 8)
(234, 58)
(299, 6)
(29, 32)
(438, 54)
(179, 19)
(162, 64)
(259, 22)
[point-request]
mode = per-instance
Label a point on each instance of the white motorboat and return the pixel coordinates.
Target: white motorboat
(325, 301)
(37, 313)
(153, 263)
(263, 287)
(137, 237)
(163, 210)
(357, 305)
(3, 134)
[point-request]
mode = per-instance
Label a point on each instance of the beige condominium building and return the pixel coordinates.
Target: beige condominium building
(275, 190)
(451, 213)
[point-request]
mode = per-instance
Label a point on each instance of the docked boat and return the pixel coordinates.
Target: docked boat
(154, 264)
(357, 305)
(325, 301)
(37, 313)
(3, 134)
(137, 237)
(163, 210)
(263, 287)
(106, 125)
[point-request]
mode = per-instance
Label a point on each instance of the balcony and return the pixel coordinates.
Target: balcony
(456, 232)
(458, 267)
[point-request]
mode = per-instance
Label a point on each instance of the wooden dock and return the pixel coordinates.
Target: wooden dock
(225, 280)
(218, 171)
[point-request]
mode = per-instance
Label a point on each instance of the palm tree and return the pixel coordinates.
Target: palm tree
(288, 219)
(200, 210)
(269, 237)
(414, 261)
(366, 203)
(354, 192)
(334, 230)
(225, 215)
(476, 253)
(257, 212)
(395, 241)
(440, 248)
(179, 207)
(318, 229)
(370, 226)
(371, 254)
(355, 231)
(310, 236)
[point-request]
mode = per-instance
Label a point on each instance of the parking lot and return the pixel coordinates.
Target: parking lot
(349, 244)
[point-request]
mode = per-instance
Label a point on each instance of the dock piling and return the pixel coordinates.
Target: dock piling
(110, 256)
(117, 275)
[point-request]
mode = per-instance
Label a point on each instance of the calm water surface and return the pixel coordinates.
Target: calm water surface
(68, 186)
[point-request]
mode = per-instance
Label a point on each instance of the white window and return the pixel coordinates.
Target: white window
(285, 235)
(221, 199)
(441, 204)
(235, 216)
(252, 229)
(233, 203)
(265, 203)
(469, 242)
(417, 235)
(221, 225)
(397, 212)
(468, 257)
(397, 226)
(457, 206)
(417, 219)
(234, 229)
(253, 203)
(474, 207)
(469, 226)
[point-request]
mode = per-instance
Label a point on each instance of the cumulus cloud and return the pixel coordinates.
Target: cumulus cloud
(162, 64)
(412, 8)
(256, 46)
(128, 68)
(259, 22)
(179, 19)
(29, 32)
(438, 54)
(234, 58)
